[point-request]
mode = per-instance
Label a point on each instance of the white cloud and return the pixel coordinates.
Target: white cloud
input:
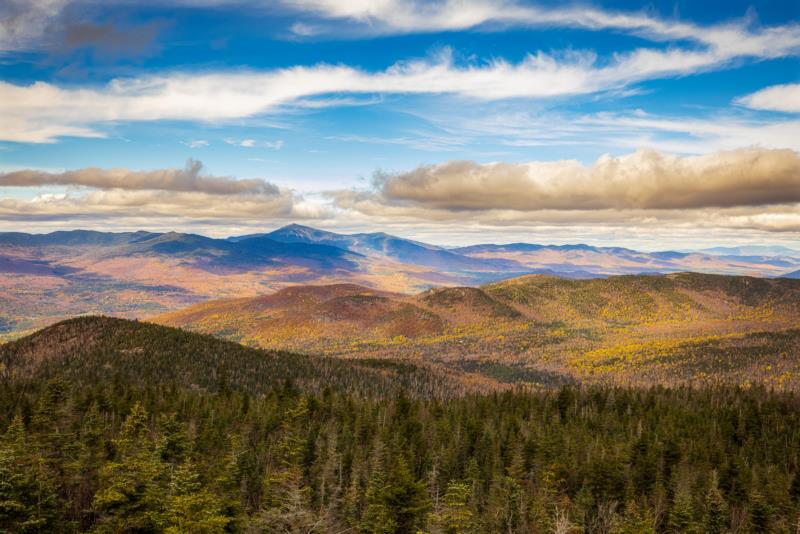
(23, 22)
(736, 38)
(41, 112)
(784, 97)
(501, 124)
(252, 143)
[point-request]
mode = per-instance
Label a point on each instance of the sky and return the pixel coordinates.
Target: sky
(650, 125)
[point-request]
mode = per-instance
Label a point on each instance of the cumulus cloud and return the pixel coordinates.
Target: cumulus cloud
(646, 179)
(784, 97)
(748, 188)
(189, 179)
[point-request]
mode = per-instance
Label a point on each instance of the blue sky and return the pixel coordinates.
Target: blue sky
(646, 125)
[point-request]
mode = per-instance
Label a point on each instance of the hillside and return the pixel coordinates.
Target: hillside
(539, 329)
(88, 350)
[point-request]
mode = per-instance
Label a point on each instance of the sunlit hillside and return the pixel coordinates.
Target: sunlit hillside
(681, 328)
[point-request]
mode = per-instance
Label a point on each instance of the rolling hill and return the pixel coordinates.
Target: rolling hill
(104, 350)
(539, 329)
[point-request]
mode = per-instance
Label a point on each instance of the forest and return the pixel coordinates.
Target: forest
(90, 446)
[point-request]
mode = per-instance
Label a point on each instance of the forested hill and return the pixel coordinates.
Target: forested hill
(104, 350)
(685, 328)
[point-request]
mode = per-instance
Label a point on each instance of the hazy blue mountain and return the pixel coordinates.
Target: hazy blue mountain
(395, 248)
(754, 250)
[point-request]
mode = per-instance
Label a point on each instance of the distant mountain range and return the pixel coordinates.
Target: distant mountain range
(47, 277)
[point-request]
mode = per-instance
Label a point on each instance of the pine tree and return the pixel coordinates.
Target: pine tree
(456, 517)
(635, 521)
(716, 512)
(378, 517)
(13, 487)
(406, 497)
(190, 507)
(28, 493)
(760, 513)
(681, 515)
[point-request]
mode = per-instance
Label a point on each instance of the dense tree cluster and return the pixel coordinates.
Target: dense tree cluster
(120, 458)
(118, 426)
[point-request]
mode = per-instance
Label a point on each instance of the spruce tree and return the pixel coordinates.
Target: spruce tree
(715, 520)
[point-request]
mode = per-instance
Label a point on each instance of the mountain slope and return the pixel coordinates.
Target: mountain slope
(793, 274)
(395, 248)
(539, 329)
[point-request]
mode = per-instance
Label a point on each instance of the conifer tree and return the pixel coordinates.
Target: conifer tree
(716, 510)
(190, 507)
(682, 513)
(760, 512)
(456, 517)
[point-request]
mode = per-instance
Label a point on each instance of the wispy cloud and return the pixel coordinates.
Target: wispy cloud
(253, 143)
(41, 112)
(735, 38)
(613, 131)
(197, 143)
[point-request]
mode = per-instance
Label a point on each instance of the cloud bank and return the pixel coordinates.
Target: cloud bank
(165, 193)
(646, 179)
(188, 179)
(755, 189)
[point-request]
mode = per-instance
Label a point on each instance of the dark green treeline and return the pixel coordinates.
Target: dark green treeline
(117, 458)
